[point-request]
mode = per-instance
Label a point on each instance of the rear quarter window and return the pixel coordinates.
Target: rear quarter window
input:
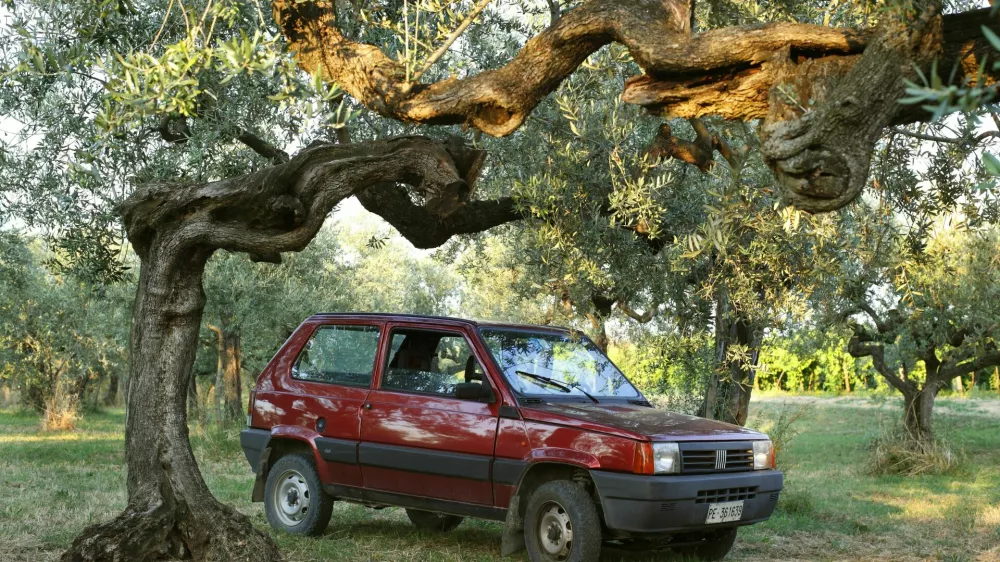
(339, 355)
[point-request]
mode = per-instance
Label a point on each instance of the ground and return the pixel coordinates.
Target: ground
(54, 484)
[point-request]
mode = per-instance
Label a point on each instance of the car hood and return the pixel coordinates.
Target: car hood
(657, 425)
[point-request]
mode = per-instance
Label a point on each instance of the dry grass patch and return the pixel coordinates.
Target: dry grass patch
(894, 451)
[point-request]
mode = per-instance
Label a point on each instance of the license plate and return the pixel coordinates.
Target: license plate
(724, 512)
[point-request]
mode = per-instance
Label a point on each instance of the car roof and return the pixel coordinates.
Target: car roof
(430, 319)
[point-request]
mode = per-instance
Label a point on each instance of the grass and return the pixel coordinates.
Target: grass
(52, 484)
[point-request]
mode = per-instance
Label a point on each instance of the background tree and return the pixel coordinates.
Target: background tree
(935, 306)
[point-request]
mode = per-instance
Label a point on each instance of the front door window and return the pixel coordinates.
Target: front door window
(429, 362)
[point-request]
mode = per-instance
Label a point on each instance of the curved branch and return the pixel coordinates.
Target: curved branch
(425, 230)
(859, 347)
(641, 318)
(981, 362)
(498, 101)
(281, 208)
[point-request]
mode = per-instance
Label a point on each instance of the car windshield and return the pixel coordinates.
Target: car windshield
(545, 363)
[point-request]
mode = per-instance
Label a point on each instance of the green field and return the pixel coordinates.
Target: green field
(54, 484)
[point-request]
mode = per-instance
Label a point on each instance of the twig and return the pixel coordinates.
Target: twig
(949, 140)
(449, 42)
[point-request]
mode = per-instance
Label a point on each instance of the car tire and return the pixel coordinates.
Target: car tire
(716, 546)
(294, 499)
(431, 521)
(561, 524)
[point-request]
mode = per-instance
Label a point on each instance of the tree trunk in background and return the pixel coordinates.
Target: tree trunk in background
(171, 514)
(194, 410)
(232, 369)
(229, 373)
(919, 406)
(220, 381)
(732, 382)
(599, 320)
(111, 394)
(80, 386)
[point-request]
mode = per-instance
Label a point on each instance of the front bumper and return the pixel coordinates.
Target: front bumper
(659, 505)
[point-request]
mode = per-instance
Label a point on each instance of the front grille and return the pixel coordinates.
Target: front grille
(717, 460)
(726, 495)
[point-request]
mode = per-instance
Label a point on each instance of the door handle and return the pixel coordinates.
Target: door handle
(368, 406)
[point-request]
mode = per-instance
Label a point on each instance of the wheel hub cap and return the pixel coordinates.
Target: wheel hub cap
(555, 531)
(291, 498)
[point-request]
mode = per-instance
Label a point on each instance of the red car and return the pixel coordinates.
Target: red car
(529, 425)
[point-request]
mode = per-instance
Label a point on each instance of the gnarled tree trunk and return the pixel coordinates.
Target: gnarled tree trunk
(171, 513)
(919, 405)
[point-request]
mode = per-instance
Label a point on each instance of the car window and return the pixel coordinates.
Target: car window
(430, 362)
(339, 355)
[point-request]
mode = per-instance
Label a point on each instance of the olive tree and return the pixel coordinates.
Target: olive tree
(825, 95)
(934, 307)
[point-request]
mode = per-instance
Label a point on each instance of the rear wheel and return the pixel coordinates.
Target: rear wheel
(294, 500)
(431, 521)
(716, 546)
(561, 524)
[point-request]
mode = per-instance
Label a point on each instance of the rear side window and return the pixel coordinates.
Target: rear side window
(339, 355)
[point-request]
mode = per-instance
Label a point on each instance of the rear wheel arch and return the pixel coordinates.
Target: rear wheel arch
(278, 446)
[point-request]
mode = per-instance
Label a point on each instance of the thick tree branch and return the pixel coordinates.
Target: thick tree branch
(262, 147)
(742, 90)
(425, 230)
(280, 209)
(860, 346)
(498, 101)
(825, 102)
(945, 374)
(883, 327)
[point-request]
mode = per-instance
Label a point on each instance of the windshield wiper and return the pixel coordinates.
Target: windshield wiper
(566, 386)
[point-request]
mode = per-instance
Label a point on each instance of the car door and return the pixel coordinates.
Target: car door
(330, 378)
(417, 437)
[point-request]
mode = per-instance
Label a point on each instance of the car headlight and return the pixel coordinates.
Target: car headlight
(666, 458)
(763, 455)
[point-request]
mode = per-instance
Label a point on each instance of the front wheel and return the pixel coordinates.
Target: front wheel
(715, 546)
(294, 499)
(430, 521)
(561, 524)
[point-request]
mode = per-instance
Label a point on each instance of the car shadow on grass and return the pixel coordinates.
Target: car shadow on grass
(388, 539)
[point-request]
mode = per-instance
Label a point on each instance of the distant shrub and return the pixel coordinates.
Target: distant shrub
(61, 412)
(894, 451)
(780, 428)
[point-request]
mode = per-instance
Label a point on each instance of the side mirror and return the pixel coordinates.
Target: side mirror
(472, 391)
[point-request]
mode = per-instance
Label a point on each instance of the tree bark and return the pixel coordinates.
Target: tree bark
(174, 229)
